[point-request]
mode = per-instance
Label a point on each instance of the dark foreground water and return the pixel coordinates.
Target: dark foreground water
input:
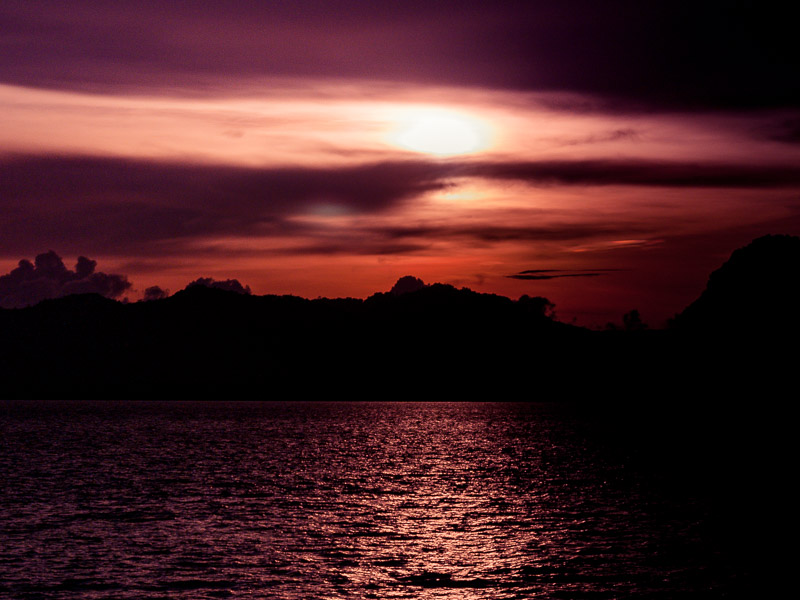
(369, 500)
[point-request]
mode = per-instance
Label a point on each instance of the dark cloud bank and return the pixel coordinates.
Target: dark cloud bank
(117, 205)
(664, 54)
(121, 205)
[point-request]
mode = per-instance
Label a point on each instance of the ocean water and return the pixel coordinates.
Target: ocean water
(363, 500)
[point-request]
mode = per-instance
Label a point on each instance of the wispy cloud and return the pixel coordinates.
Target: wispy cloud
(545, 274)
(633, 172)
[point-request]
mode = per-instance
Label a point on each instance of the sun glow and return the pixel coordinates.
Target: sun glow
(440, 132)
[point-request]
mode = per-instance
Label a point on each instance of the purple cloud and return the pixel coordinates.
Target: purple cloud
(665, 54)
(147, 207)
(117, 205)
(229, 285)
(47, 277)
(629, 172)
(155, 292)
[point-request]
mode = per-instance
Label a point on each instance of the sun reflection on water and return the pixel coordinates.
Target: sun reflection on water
(328, 500)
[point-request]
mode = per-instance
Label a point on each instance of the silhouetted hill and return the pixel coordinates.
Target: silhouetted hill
(210, 341)
(757, 291)
(417, 342)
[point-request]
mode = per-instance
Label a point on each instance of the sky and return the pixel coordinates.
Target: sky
(605, 155)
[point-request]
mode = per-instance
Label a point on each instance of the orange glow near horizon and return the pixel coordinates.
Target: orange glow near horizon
(460, 227)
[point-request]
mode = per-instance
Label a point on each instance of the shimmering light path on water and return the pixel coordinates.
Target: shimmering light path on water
(329, 500)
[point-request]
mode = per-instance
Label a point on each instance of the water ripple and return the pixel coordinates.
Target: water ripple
(326, 500)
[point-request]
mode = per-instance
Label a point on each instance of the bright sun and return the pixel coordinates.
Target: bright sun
(440, 132)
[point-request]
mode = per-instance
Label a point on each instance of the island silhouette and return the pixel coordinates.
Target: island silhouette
(416, 342)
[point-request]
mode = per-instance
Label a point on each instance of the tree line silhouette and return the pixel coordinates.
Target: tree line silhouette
(416, 342)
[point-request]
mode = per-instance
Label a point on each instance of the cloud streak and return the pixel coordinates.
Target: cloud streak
(635, 172)
(115, 204)
(546, 274)
(269, 190)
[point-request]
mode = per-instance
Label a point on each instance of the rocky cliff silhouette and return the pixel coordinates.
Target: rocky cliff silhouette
(756, 292)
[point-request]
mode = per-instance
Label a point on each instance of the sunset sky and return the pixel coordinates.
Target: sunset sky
(606, 155)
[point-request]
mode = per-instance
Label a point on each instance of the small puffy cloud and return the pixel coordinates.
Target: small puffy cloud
(154, 292)
(230, 285)
(48, 277)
